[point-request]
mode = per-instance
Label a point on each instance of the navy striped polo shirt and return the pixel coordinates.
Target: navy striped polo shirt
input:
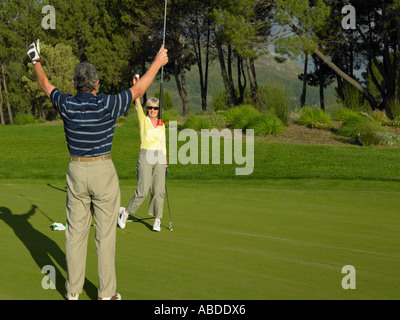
(89, 120)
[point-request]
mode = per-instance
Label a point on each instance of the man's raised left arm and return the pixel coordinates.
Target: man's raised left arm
(33, 53)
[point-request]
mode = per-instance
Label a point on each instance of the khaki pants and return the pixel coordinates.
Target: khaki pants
(93, 188)
(150, 176)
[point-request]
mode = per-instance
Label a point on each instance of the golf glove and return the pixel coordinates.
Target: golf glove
(34, 52)
(57, 226)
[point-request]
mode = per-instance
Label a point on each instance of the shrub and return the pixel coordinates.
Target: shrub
(380, 117)
(24, 118)
(370, 133)
(354, 126)
(394, 107)
(395, 123)
(353, 99)
(363, 129)
(169, 115)
(197, 123)
(241, 116)
(277, 102)
(343, 114)
(167, 101)
(314, 118)
(351, 128)
(388, 139)
(265, 125)
(217, 119)
(220, 101)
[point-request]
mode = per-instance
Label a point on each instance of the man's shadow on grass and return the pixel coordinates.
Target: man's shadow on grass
(41, 247)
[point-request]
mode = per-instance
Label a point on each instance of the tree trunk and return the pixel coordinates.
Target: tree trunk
(1, 107)
(241, 85)
(204, 87)
(181, 85)
(321, 92)
(321, 85)
(304, 93)
(370, 98)
(390, 69)
(398, 53)
(229, 64)
(5, 90)
(203, 75)
(340, 88)
(381, 88)
(230, 77)
(224, 73)
(253, 82)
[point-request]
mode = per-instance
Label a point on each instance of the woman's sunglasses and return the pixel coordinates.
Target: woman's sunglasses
(155, 108)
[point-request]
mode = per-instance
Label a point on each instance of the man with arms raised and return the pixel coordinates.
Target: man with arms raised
(92, 182)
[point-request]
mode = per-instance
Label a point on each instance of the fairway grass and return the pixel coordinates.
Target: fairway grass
(40, 152)
(260, 239)
(283, 232)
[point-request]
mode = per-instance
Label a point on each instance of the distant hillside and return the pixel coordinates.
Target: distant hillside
(267, 71)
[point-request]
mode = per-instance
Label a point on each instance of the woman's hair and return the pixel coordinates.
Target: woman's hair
(85, 77)
(151, 102)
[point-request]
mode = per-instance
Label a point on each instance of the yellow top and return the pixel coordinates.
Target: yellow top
(150, 138)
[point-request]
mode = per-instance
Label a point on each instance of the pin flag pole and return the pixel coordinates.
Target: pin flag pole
(160, 123)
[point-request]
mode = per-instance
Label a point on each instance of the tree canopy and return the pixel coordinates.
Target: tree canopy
(121, 38)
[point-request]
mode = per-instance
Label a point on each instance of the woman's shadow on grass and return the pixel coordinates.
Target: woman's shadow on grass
(41, 247)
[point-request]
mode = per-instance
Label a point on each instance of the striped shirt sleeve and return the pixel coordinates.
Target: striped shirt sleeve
(118, 104)
(58, 99)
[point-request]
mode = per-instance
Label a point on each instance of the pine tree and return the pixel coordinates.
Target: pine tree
(306, 19)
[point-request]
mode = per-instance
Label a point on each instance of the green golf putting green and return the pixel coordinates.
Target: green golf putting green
(260, 239)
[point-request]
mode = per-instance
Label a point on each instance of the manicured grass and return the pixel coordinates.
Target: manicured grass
(37, 151)
(272, 239)
(284, 232)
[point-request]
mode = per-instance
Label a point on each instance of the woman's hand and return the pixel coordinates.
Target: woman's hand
(134, 81)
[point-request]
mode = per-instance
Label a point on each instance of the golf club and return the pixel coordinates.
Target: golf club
(160, 112)
(160, 123)
(169, 211)
(44, 214)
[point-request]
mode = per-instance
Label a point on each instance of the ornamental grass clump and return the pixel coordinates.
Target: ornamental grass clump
(241, 117)
(268, 125)
(315, 119)
(363, 129)
(196, 123)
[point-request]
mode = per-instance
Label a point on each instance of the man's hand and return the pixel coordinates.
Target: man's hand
(162, 56)
(34, 52)
(141, 86)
